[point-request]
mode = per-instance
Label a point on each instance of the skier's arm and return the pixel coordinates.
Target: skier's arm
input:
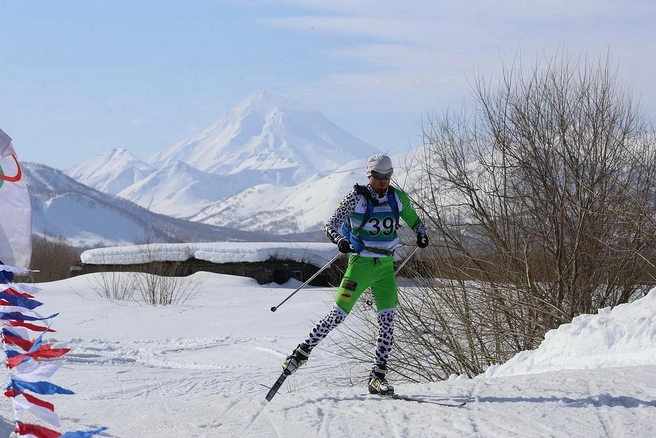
(410, 217)
(408, 213)
(344, 210)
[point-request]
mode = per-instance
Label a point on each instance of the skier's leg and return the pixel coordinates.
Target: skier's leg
(355, 281)
(378, 384)
(384, 288)
(385, 339)
(325, 326)
(358, 277)
(301, 354)
(386, 295)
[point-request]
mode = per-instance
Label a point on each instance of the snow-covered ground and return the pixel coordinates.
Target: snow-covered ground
(200, 370)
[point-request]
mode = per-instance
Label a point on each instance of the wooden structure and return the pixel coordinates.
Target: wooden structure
(269, 271)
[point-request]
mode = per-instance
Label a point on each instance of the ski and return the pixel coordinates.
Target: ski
(422, 400)
(276, 386)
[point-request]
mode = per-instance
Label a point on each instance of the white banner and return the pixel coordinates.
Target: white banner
(15, 210)
(5, 144)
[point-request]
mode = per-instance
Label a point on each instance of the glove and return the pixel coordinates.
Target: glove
(344, 246)
(422, 237)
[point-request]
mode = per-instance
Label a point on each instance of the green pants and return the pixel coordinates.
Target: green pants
(364, 272)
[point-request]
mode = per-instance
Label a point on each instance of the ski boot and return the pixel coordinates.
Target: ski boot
(377, 382)
(295, 360)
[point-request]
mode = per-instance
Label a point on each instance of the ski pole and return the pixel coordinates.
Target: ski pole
(274, 308)
(406, 260)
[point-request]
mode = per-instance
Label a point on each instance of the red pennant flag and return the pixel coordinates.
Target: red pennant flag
(20, 294)
(37, 401)
(37, 431)
(45, 351)
(15, 340)
(13, 392)
(27, 325)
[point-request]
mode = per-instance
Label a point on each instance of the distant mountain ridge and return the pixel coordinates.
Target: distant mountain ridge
(85, 217)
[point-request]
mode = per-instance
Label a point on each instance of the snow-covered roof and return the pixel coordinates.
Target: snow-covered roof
(313, 253)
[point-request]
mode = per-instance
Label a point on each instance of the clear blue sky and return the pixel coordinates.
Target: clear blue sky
(78, 78)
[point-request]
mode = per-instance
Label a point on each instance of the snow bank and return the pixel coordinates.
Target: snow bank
(317, 254)
(313, 253)
(623, 336)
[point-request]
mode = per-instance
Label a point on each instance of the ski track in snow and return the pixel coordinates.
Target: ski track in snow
(177, 375)
(143, 381)
(161, 392)
(169, 353)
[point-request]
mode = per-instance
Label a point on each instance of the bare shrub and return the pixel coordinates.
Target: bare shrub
(540, 207)
(165, 286)
(114, 285)
(159, 282)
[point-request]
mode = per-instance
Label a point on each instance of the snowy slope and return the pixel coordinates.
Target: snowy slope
(283, 210)
(277, 210)
(78, 213)
(198, 370)
(622, 337)
(179, 190)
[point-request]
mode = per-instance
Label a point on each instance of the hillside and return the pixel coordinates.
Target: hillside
(86, 217)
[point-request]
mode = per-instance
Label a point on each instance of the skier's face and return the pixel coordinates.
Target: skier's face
(380, 182)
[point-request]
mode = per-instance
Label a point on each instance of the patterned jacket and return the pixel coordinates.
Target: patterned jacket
(379, 233)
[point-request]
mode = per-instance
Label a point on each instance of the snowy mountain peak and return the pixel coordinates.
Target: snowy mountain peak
(269, 132)
(121, 152)
(265, 101)
(257, 168)
(111, 171)
(114, 157)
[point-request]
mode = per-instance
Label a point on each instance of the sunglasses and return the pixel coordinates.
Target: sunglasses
(379, 175)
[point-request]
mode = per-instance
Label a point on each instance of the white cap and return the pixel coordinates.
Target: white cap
(380, 163)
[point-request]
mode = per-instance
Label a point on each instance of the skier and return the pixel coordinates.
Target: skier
(364, 225)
